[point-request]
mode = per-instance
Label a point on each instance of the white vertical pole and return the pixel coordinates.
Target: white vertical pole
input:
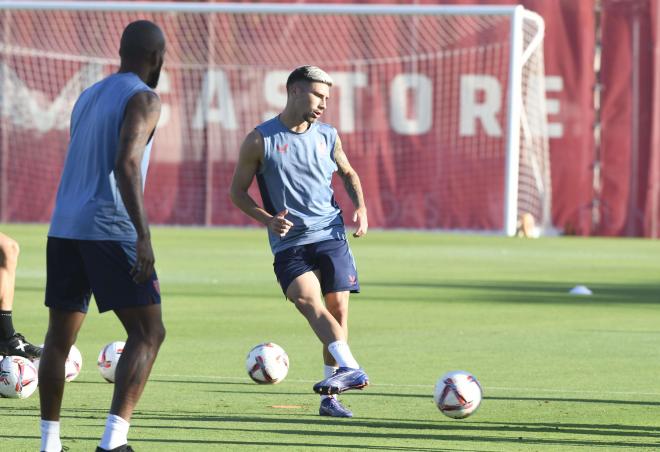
(513, 125)
(633, 211)
(208, 142)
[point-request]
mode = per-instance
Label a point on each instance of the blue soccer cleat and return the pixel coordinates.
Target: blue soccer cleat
(343, 380)
(332, 407)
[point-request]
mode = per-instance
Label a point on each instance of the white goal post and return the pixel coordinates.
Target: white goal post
(441, 108)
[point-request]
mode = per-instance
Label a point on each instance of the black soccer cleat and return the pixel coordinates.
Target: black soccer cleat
(17, 345)
(123, 448)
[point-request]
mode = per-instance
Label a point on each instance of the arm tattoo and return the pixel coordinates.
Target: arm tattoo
(348, 176)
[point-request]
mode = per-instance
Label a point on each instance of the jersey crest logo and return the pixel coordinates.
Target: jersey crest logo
(321, 146)
(283, 148)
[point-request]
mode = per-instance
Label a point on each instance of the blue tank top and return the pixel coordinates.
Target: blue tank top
(88, 204)
(296, 174)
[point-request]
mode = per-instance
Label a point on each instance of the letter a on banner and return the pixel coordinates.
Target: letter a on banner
(215, 91)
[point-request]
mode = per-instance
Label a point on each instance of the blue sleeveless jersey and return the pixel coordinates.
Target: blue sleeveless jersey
(296, 174)
(88, 204)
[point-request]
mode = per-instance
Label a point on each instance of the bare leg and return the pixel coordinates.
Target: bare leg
(63, 327)
(305, 293)
(337, 304)
(146, 333)
(9, 251)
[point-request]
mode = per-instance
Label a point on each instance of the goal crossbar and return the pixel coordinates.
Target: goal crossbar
(263, 8)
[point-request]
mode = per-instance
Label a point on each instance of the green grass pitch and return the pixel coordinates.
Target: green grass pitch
(559, 372)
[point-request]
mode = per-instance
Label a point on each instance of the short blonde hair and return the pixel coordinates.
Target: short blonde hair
(310, 74)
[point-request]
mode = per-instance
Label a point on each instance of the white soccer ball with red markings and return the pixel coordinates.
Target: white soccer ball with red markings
(18, 377)
(267, 363)
(458, 394)
(109, 358)
(72, 365)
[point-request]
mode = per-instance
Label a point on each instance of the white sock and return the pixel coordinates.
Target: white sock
(50, 436)
(328, 371)
(116, 432)
(342, 354)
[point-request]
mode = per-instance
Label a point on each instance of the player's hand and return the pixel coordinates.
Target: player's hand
(144, 265)
(360, 217)
(280, 225)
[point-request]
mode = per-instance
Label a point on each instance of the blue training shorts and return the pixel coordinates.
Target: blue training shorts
(76, 269)
(333, 258)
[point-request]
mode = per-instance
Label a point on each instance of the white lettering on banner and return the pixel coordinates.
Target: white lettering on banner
(411, 102)
(215, 91)
(554, 83)
(165, 109)
(31, 109)
(485, 111)
(348, 82)
(422, 91)
(275, 92)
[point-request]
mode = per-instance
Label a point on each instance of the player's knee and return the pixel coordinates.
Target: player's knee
(10, 251)
(160, 334)
(305, 304)
(152, 336)
(340, 313)
(58, 344)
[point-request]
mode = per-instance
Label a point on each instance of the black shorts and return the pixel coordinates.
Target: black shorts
(76, 269)
(333, 258)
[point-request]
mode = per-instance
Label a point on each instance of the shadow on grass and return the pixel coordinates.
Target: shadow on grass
(372, 428)
(573, 400)
(519, 434)
(201, 382)
(263, 444)
(527, 291)
(259, 391)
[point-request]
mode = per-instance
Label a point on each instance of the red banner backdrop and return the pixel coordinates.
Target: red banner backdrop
(402, 191)
(627, 117)
(652, 205)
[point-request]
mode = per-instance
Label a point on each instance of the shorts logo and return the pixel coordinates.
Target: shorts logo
(352, 279)
(156, 286)
(282, 149)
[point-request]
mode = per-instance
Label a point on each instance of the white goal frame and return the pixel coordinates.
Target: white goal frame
(518, 54)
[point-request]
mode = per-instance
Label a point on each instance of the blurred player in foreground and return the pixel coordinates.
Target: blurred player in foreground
(99, 240)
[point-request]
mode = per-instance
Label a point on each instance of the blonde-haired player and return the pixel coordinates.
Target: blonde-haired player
(293, 157)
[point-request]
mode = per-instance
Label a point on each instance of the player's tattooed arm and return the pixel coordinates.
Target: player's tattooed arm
(353, 188)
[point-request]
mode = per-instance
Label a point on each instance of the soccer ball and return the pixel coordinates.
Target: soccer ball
(18, 377)
(267, 363)
(72, 365)
(108, 359)
(457, 394)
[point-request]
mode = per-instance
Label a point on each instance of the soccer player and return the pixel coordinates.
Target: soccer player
(293, 156)
(99, 240)
(11, 342)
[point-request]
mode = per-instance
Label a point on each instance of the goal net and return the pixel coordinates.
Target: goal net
(440, 108)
